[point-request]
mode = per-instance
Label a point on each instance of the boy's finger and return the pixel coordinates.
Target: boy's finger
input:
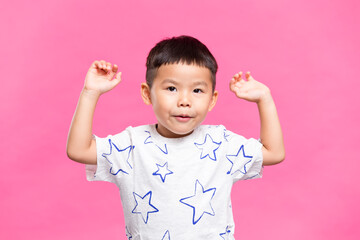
(237, 75)
(108, 66)
(234, 81)
(112, 70)
(249, 77)
(117, 79)
(102, 64)
(232, 84)
(115, 68)
(96, 64)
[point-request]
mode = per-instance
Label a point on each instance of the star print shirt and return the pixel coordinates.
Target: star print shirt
(176, 188)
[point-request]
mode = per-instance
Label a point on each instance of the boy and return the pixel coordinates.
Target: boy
(175, 177)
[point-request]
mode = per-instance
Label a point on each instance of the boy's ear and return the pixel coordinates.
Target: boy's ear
(213, 100)
(145, 93)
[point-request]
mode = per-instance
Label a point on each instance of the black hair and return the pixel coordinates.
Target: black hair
(182, 49)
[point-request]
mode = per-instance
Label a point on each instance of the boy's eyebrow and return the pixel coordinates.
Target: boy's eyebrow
(195, 83)
(168, 80)
(201, 83)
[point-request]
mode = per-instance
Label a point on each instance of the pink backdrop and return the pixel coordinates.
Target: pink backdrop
(306, 51)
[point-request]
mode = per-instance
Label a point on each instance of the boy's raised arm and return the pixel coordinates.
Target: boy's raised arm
(270, 132)
(81, 146)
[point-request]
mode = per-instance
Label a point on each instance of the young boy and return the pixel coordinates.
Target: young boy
(175, 177)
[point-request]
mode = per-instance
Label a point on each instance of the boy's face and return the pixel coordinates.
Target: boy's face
(181, 96)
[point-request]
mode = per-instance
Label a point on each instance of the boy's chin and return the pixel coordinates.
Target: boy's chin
(165, 132)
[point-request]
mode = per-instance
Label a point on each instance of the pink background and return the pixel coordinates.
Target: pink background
(306, 51)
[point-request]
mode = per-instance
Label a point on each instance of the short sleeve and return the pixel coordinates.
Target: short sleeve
(245, 157)
(113, 158)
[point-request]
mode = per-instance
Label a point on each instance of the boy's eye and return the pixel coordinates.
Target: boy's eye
(197, 90)
(171, 89)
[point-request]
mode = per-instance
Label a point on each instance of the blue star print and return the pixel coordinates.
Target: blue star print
(128, 234)
(162, 171)
(238, 161)
(149, 140)
(166, 235)
(225, 235)
(200, 202)
(124, 154)
(256, 175)
(208, 147)
(226, 135)
(143, 206)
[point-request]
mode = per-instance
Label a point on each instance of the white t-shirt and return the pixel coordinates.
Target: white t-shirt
(176, 188)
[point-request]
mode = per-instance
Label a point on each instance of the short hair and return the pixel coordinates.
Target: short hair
(182, 49)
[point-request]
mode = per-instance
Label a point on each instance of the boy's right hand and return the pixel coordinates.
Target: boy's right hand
(99, 78)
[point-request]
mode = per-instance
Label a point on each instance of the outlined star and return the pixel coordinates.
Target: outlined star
(238, 161)
(162, 171)
(124, 154)
(226, 135)
(256, 175)
(149, 140)
(166, 235)
(143, 206)
(128, 234)
(208, 147)
(200, 202)
(225, 235)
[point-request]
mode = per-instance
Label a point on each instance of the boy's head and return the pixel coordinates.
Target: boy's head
(184, 50)
(180, 85)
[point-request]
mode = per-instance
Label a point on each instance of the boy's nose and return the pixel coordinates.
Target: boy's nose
(184, 101)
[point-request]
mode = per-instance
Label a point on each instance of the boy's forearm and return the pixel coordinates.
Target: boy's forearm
(270, 132)
(80, 142)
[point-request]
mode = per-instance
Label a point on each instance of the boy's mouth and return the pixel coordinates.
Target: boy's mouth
(183, 118)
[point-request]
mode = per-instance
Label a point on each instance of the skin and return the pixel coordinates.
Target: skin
(181, 97)
(271, 136)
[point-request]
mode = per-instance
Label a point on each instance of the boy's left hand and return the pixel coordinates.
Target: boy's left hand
(249, 89)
